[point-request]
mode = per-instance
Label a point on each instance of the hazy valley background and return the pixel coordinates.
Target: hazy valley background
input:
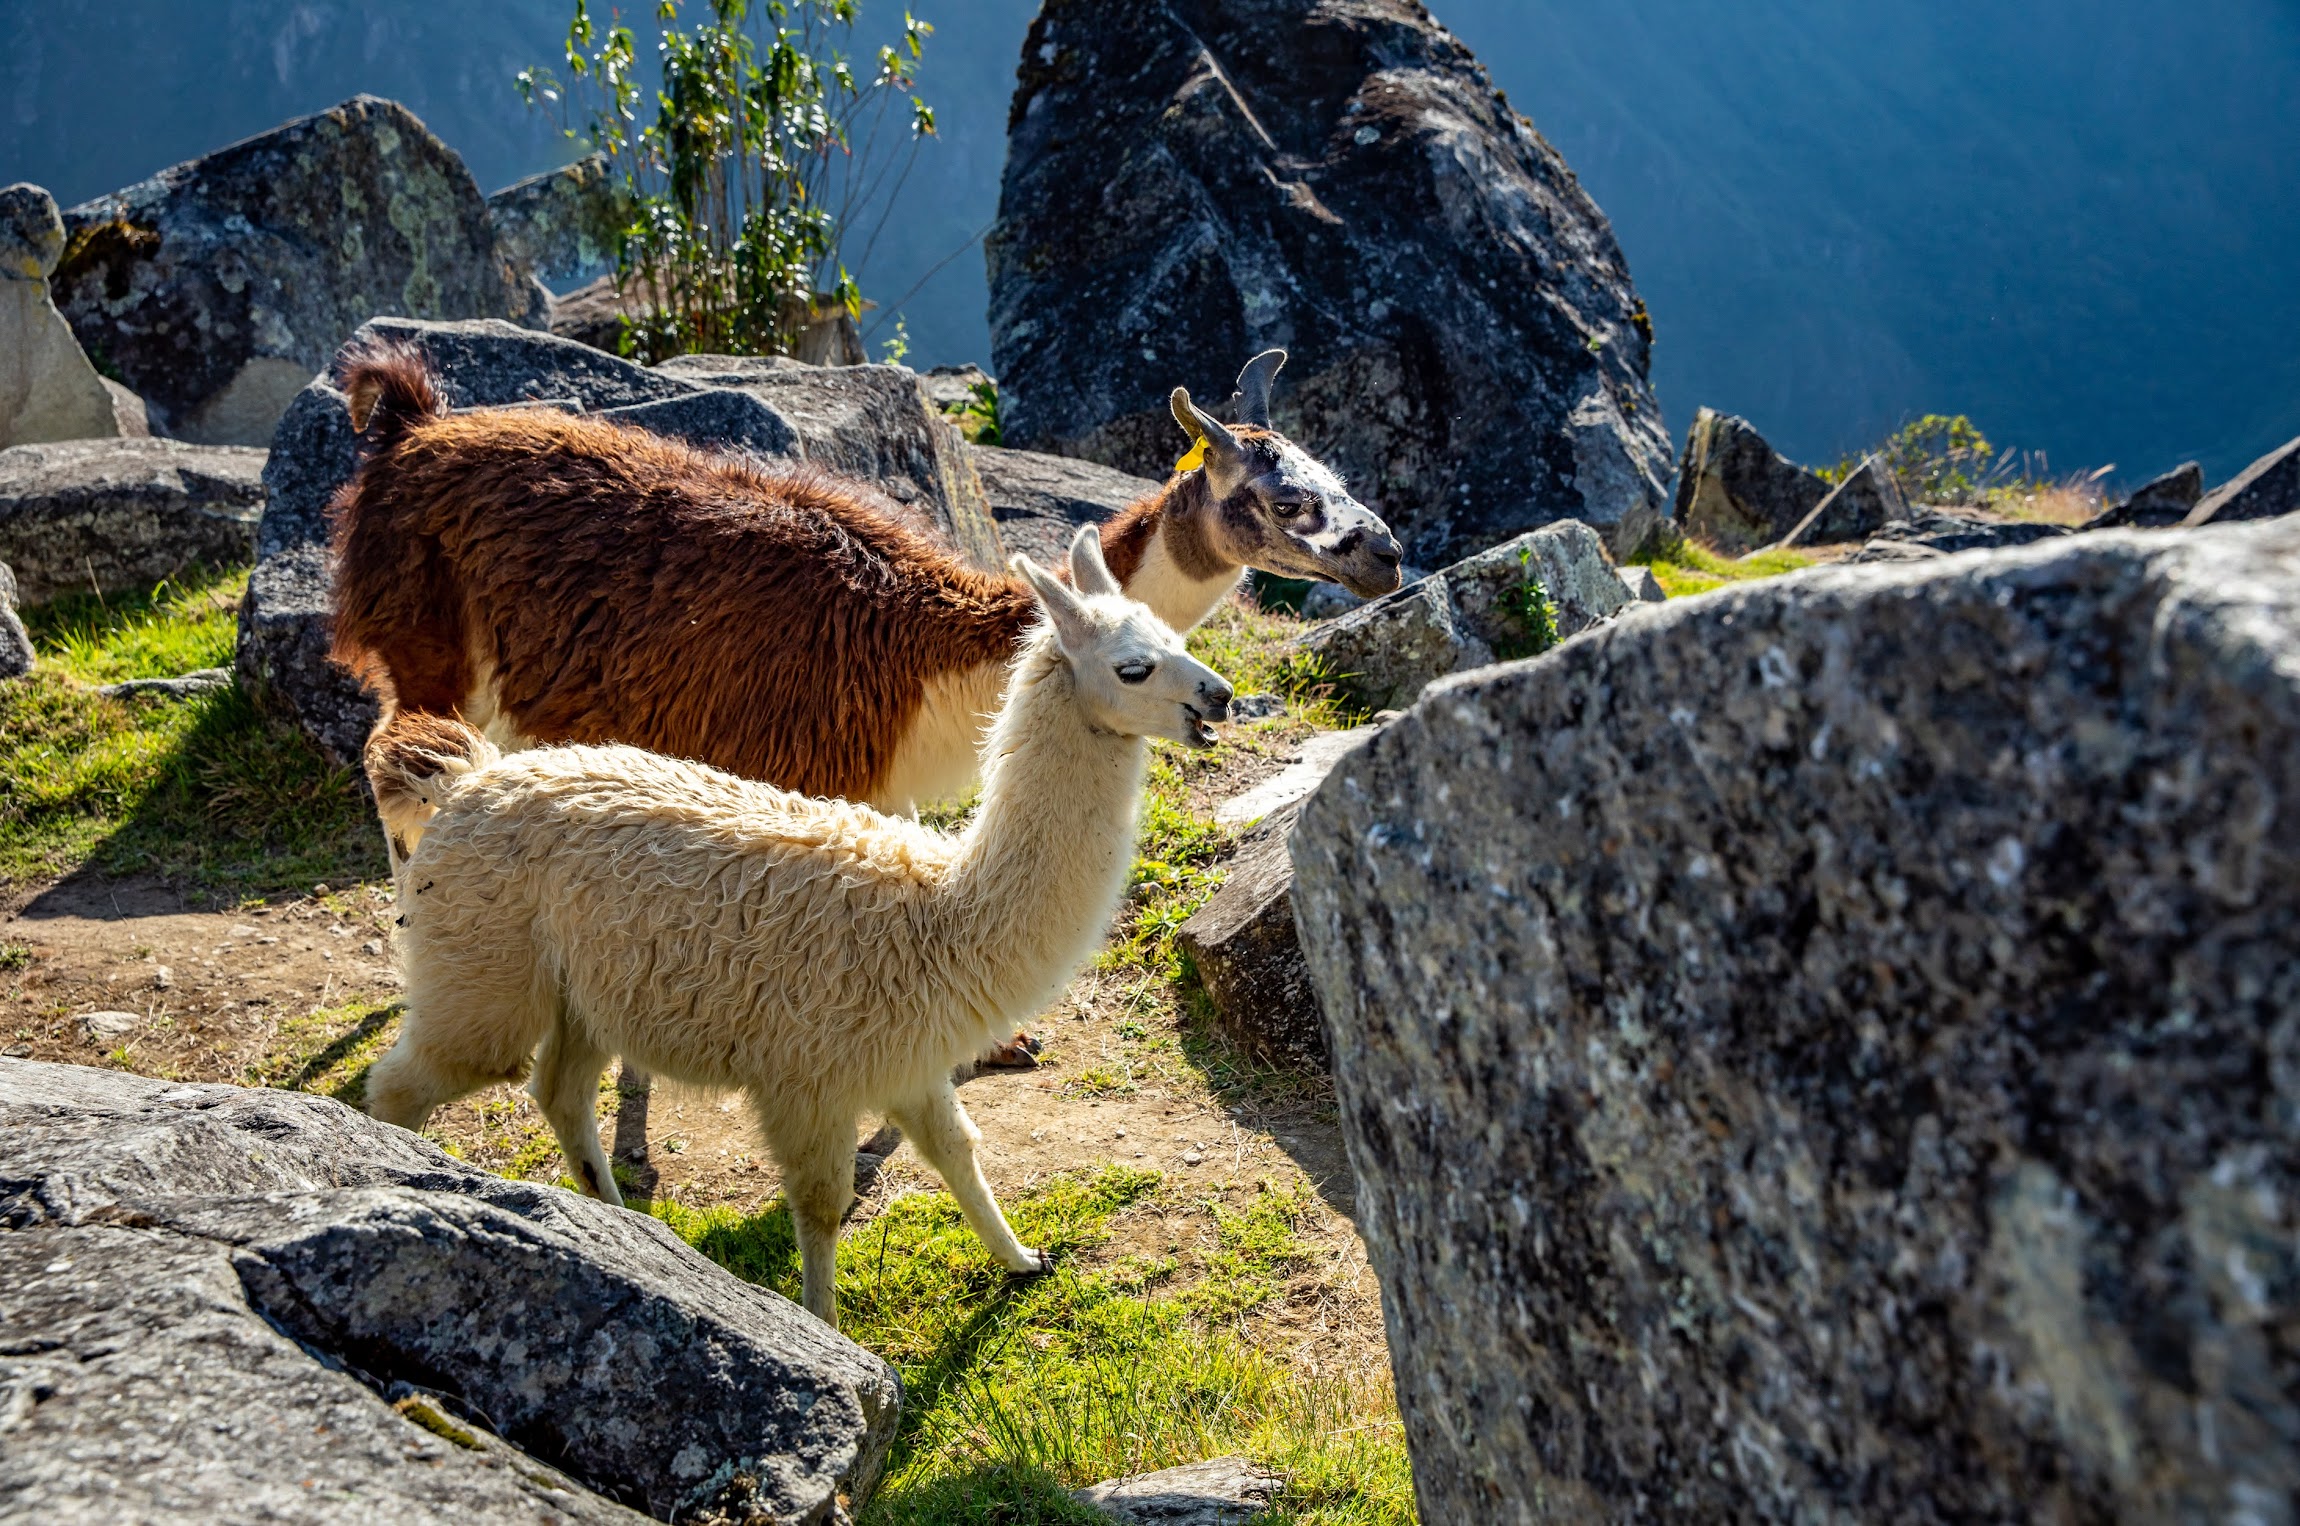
(2079, 223)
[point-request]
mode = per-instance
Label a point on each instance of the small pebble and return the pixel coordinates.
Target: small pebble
(162, 978)
(372, 947)
(1121, 1133)
(101, 1026)
(1192, 1158)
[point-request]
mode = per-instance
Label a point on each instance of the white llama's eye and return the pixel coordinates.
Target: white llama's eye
(1136, 671)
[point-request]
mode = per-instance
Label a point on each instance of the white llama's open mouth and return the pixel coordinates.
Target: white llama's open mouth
(1201, 734)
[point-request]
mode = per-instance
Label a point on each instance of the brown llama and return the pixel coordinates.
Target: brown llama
(555, 578)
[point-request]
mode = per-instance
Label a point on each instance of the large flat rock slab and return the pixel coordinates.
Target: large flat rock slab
(1830, 1049)
(226, 1302)
(122, 514)
(1040, 500)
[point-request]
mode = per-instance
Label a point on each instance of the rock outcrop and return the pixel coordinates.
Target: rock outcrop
(123, 514)
(48, 390)
(1040, 501)
(1338, 178)
(1482, 609)
(2156, 503)
(1855, 509)
(2269, 487)
(560, 226)
(871, 422)
(16, 655)
(230, 1305)
(219, 287)
(1832, 1047)
(1737, 493)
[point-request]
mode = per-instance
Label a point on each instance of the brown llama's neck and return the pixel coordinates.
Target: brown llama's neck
(1162, 551)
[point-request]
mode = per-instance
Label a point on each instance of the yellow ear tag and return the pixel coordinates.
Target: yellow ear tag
(1195, 458)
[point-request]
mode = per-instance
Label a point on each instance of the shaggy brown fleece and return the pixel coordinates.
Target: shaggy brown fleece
(772, 621)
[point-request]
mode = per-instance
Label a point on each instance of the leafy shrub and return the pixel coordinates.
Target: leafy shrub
(745, 180)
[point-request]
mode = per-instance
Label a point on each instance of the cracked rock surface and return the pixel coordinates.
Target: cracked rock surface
(233, 1305)
(124, 514)
(1830, 1049)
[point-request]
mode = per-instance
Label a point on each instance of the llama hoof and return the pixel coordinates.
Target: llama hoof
(1036, 1263)
(1018, 1053)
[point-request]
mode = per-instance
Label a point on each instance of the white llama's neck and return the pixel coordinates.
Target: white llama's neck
(1044, 862)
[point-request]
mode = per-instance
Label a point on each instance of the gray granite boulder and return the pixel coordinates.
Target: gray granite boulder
(561, 226)
(233, 1305)
(1040, 501)
(875, 424)
(1221, 1491)
(1830, 1049)
(1475, 612)
(871, 422)
(219, 287)
(2267, 488)
(1644, 587)
(1855, 509)
(2156, 503)
(1340, 179)
(48, 388)
(1935, 528)
(123, 514)
(16, 656)
(1735, 492)
(1241, 943)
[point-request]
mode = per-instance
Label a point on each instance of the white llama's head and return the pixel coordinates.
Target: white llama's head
(1133, 675)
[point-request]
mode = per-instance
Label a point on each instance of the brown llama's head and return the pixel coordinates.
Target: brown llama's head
(1276, 507)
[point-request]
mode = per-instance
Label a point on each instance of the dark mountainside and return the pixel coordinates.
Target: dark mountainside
(2077, 230)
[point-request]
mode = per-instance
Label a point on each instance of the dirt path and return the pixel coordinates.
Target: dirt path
(298, 992)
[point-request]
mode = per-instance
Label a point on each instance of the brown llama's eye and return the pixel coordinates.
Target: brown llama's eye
(1286, 509)
(1136, 672)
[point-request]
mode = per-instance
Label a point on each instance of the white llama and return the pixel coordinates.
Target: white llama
(827, 959)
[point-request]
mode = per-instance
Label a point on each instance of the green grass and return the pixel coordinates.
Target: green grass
(329, 1050)
(203, 791)
(1686, 568)
(1016, 1391)
(1253, 647)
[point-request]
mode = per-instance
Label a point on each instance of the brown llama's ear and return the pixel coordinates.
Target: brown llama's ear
(1224, 457)
(1250, 404)
(1089, 573)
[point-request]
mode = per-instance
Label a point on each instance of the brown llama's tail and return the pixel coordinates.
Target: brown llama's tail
(388, 387)
(416, 762)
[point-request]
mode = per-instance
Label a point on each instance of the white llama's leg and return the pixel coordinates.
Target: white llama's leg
(818, 1184)
(468, 1024)
(944, 1138)
(566, 1087)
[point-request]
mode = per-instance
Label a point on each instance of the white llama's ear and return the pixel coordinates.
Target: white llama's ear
(1089, 574)
(1073, 627)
